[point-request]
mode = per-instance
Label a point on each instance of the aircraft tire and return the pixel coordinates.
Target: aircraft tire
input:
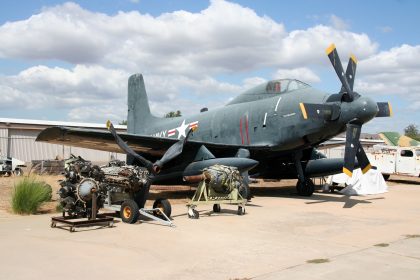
(216, 208)
(305, 188)
(164, 205)
(129, 212)
(193, 214)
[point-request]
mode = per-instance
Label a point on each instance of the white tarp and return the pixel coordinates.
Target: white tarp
(360, 184)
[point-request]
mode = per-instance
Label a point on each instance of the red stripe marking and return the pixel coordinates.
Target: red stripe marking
(246, 129)
(240, 131)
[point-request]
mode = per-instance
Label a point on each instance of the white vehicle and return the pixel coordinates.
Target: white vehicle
(11, 165)
(396, 160)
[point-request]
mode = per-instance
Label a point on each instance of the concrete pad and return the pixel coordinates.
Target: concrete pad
(279, 233)
(397, 261)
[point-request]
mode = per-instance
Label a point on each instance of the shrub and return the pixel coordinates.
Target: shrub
(28, 194)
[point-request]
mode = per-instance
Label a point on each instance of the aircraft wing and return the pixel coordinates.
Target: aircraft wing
(104, 141)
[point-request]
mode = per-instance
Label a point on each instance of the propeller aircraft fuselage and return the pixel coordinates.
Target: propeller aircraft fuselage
(276, 125)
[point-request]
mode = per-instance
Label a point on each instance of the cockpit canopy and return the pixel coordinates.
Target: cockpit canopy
(269, 89)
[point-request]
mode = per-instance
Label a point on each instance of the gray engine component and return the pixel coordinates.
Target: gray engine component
(118, 180)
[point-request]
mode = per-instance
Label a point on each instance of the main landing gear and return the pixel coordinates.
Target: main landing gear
(304, 186)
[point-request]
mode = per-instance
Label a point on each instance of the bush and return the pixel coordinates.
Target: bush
(29, 194)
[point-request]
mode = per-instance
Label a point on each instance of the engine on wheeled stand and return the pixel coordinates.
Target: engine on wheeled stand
(119, 187)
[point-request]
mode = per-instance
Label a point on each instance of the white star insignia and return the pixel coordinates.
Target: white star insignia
(181, 129)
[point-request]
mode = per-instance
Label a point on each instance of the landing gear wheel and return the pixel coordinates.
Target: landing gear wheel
(386, 176)
(305, 188)
(129, 212)
(164, 206)
(241, 210)
(193, 214)
(216, 208)
(53, 224)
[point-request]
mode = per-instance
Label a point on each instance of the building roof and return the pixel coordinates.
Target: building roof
(11, 122)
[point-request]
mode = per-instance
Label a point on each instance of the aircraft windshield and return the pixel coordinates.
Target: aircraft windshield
(281, 86)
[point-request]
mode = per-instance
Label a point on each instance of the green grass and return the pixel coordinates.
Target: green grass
(28, 194)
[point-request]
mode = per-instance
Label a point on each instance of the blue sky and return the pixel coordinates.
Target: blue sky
(52, 53)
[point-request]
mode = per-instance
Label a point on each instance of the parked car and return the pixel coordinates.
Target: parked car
(9, 166)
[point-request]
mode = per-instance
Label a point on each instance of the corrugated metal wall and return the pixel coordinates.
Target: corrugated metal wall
(3, 141)
(24, 147)
(337, 152)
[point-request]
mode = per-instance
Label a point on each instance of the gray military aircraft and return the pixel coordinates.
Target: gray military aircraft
(277, 125)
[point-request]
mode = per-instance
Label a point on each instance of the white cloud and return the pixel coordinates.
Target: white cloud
(393, 72)
(180, 53)
(304, 74)
(339, 23)
(41, 87)
(223, 38)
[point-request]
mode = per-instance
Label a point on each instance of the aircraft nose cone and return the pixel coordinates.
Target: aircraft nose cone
(368, 109)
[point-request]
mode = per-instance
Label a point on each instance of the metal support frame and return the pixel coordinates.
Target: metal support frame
(94, 220)
(164, 220)
(202, 197)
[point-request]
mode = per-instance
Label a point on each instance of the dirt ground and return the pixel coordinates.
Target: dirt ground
(282, 236)
(176, 194)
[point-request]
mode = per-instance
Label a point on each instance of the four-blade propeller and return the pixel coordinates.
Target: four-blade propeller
(358, 111)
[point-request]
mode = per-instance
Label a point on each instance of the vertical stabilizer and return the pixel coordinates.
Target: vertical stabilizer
(139, 116)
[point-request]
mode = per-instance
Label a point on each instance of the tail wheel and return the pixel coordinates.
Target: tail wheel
(164, 205)
(129, 212)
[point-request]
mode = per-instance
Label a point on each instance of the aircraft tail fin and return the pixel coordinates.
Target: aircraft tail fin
(395, 139)
(139, 115)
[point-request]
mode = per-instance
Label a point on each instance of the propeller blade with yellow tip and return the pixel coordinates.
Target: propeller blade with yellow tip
(338, 67)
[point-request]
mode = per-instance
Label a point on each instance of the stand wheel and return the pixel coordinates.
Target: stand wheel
(241, 210)
(72, 229)
(111, 224)
(164, 206)
(129, 212)
(53, 224)
(216, 208)
(193, 214)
